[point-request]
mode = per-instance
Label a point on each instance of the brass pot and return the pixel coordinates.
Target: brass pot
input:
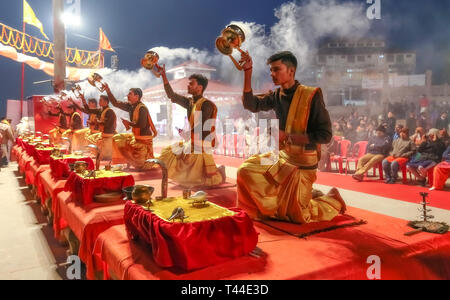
(80, 167)
(142, 194)
(56, 152)
(128, 191)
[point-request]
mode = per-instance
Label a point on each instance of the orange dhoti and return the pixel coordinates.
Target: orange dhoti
(291, 199)
(190, 169)
(80, 139)
(127, 149)
(281, 187)
(104, 142)
(441, 173)
(56, 135)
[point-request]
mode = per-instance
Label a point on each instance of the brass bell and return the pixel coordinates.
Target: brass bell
(76, 90)
(80, 167)
(96, 80)
(232, 38)
(150, 61)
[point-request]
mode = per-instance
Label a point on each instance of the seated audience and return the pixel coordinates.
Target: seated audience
(428, 155)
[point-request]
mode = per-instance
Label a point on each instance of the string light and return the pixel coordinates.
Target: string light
(21, 41)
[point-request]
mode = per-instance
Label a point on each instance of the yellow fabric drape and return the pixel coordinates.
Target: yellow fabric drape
(79, 141)
(163, 209)
(137, 131)
(283, 190)
(129, 150)
(190, 169)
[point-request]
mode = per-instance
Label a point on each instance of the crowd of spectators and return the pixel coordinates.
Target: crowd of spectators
(408, 136)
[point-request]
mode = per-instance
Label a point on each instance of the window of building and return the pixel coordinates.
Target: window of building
(330, 56)
(322, 59)
(378, 44)
(361, 45)
(390, 58)
(400, 58)
(333, 45)
(408, 55)
(351, 59)
(342, 45)
(351, 45)
(369, 44)
(343, 57)
(361, 58)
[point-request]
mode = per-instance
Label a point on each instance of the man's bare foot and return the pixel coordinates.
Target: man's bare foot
(317, 194)
(358, 177)
(334, 193)
(222, 172)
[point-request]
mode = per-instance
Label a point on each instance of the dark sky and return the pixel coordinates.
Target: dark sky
(136, 25)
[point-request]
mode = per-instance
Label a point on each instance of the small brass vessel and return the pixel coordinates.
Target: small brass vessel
(142, 194)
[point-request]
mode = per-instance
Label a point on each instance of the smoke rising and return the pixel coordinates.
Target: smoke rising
(299, 29)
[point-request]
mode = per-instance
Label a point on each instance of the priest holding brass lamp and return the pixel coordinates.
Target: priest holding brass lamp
(192, 164)
(281, 187)
(137, 147)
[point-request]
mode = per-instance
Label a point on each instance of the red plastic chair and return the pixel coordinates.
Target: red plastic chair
(229, 144)
(378, 166)
(404, 173)
(219, 144)
(430, 175)
(337, 138)
(241, 146)
(344, 147)
(358, 151)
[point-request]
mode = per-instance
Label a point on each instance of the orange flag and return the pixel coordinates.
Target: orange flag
(104, 42)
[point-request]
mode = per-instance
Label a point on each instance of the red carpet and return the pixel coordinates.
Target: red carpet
(408, 193)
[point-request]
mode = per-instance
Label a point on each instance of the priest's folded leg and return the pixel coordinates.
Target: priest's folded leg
(129, 150)
(94, 138)
(190, 169)
(79, 139)
(68, 133)
(105, 144)
(262, 194)
(56, 135)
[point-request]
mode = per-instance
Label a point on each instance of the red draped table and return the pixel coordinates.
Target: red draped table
(224, 235)
(84, 189)
(60, 166)
(42, 156)
(87, 222)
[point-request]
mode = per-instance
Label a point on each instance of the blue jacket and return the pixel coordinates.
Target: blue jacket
(446, 156)
(380, 145)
